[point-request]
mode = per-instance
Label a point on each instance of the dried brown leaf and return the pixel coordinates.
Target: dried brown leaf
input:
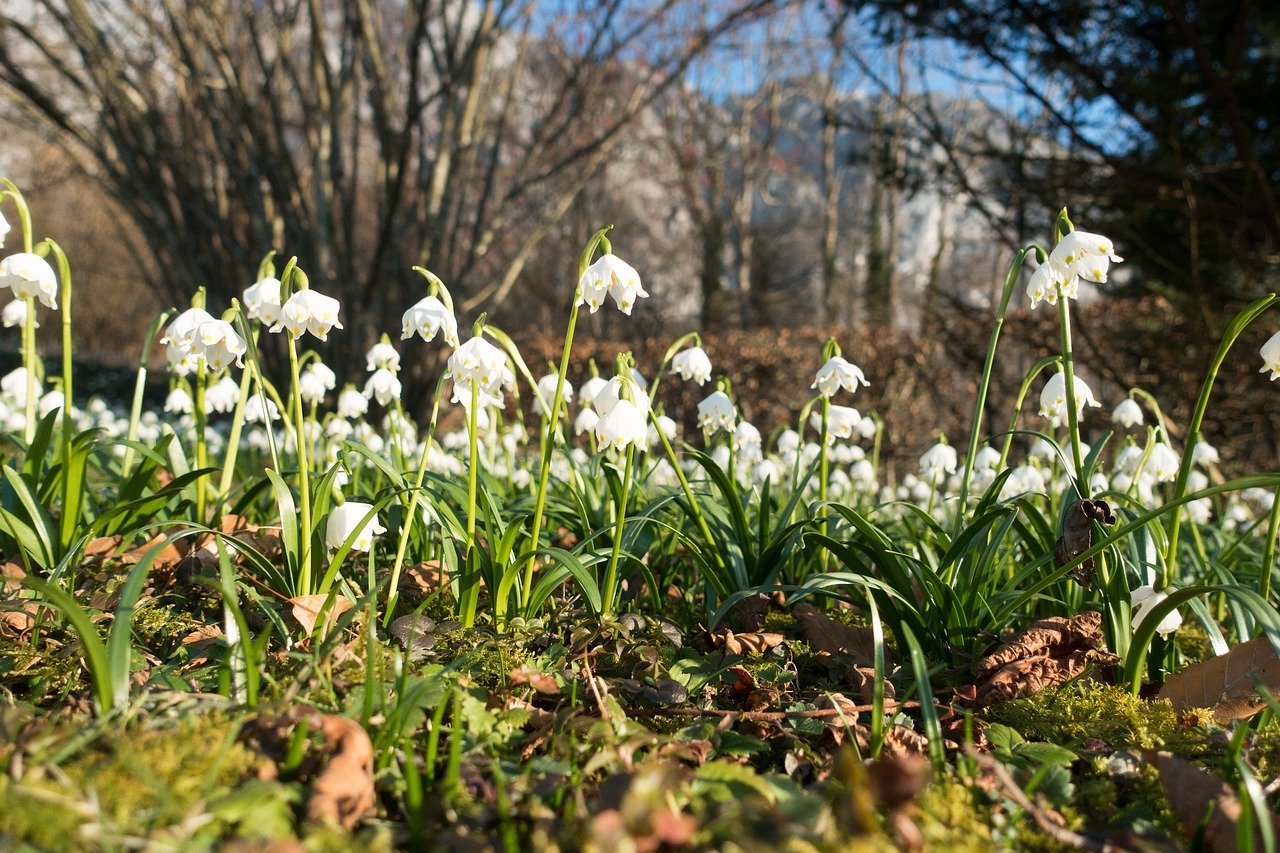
(1196, 794)
(748, 615)
(168, 557)
(1048, 653)
(306, 609)
(539, 681)
(343, 792)
(825, 634)
(12, 574)
(755, 643)
(1227, 683)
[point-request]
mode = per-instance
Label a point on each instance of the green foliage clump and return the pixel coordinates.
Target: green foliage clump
(1074, 714)
(951, 817)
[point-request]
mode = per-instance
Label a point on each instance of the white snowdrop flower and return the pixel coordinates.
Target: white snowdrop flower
(179, 401)
(1127, 414)
(1163, 463)
(1238, 514)
(222, 395)
(867, 428)
(339, 429)
(382, 355)
(1204, 453)
(838, 373)
(255, 412)
(1044, 450)
(717, 412)
(462, 394)
(382, 386)
(1143, 600)
(1197, 480)
(623, 426)
(1087, 255)
(809, 454)
(1053, 399)
(938, 460)
(51, 402)
(1050, 281)
(4, 230)
(609, 394)
(309, 311)
(1271, 356)
(29, 276)
(427, 318)
(181, 362)
(1098, 482)
(589, 390)
(547, 392)
(982, 479)
(311, 388)
(15, 314)
(863, 471)
(721, 457)
(1263, 498)
(14, 386)
(788, 441)
(692, 363)
(217, 343)
(345, 520)
(1127, 459)
(842, 421)
(746, 436)
(986, 459)
(1200, 511)
(180, 333)
(352, 404)
(666, 425)
(766, 470)
(481, 362)
(612, 276)
(262, 300)
(585, 422)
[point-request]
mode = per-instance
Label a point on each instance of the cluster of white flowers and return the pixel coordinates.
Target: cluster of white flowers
(1078, 255)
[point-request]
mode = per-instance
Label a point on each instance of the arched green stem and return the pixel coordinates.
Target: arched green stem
(610, 590)
(140, 386)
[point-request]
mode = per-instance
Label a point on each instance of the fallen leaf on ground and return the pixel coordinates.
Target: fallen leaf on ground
(748, 614)
(170, 555)
(422, 579)
(825, 634)
(1193, 792)
(756, 643)
(1227, 683)
(306, 609)
(343, 792)
(539, 681)
(1048, 653)
(13, 575)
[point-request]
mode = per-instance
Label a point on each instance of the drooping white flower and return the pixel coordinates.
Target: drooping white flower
(842, 421)
(222, 395)
(1204, 453)
(1128, 413)
(383, 386)
(4, 230)
(986, 459)
(463, 394)
(1049, 281)
(382, 355)
(262, 300)
(311, 387)
(788, 441)
(309, 311)
(585, 422)
(1271, 356)
(179, 401)
(255, 411)
(429, 317)
(345, 520)
(1163, 463)
(610, 276)
(29, 275)
(352, 404)
(15, 314)
(1143, 600)
(765, 470)
(217, 343)
(623, 426)
(181, 362)
(937, 461)
(612, 391)
(692, 363)
(717, 412)
(481, 362)
(1086, 255)
(838, 373)
(51, 402)
(587, 393)
(746, 436)
(547, 392)
(1053, 399)
(666, 426)
(180, 332)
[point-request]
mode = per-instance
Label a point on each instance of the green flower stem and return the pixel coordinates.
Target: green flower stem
(411, 515)
(823, 477)
(24, 213)
(469, 588)
(1237, 327)
(984, 385)
(694, 509)
(304, 476)
(611, 573)
(1147, 398)
(233, 441)
(544, 474)
(139, 388)
(202, 441)
(1073, 417)
(29, 362)
(1269, 551)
